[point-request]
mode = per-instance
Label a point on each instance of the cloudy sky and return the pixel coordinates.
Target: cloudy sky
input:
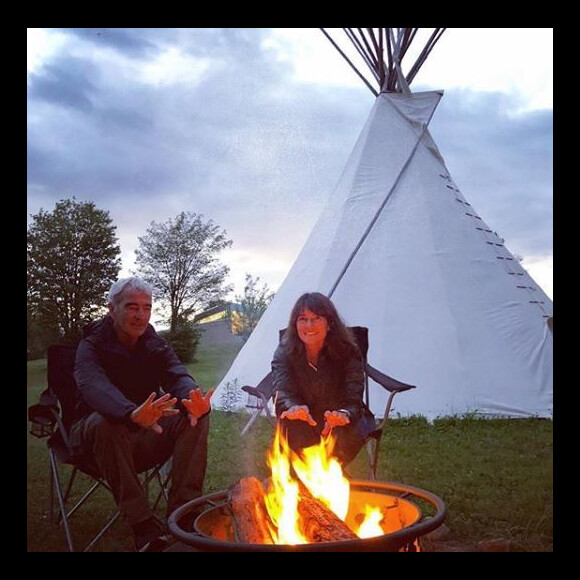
(251, 128)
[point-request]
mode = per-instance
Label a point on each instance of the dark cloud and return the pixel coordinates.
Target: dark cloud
(130, 41)
(166, 137)
(65, 83)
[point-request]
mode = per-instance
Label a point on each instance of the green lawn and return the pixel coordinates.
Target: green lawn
(495, 476)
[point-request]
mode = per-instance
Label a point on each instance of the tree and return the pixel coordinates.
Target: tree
(179, 259)
(72, 258)
(253, 304)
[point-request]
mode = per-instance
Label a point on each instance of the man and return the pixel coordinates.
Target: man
(127, 423)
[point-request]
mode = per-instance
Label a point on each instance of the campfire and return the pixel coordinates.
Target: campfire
(307, 499)
(307, 504)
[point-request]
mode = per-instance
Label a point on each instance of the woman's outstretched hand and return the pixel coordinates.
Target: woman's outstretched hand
(334, 419)
(298, 413)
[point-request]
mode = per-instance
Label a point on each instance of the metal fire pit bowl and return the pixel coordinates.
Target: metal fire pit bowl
(214, 527)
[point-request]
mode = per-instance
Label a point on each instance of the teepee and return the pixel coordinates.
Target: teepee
(400, 250)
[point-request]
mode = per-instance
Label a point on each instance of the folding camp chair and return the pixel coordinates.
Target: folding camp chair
(264, 391)
(51, 418)
(259, 397)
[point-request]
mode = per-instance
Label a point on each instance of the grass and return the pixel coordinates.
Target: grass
(495, 476)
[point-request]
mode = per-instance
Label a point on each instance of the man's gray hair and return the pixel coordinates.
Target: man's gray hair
(132, 283)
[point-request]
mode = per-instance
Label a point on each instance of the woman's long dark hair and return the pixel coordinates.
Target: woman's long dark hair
(338, 340)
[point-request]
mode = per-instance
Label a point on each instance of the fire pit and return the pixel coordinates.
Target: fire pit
(214, 529)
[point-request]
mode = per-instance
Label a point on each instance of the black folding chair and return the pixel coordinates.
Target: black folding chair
(259, 397)
(51, 418)
(263, 392)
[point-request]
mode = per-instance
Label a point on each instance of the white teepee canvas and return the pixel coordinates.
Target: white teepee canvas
(400, 250)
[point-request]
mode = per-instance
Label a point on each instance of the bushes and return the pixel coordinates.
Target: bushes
(184, 340)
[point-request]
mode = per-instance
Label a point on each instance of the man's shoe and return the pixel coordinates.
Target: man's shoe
(158, 544)
(150, 536)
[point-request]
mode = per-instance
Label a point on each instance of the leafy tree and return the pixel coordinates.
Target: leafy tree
(179, 259)
(72, 258)
(253, 304)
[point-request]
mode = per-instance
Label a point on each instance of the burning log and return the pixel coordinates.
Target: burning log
(319, 523)
(249, 509)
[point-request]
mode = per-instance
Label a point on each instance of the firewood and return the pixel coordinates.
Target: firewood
(250, 515)
(318, 522)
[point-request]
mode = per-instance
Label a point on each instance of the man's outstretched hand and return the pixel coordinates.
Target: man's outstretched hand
(197, 405)
(148, 413)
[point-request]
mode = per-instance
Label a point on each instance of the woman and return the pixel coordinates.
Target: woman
(318, 377)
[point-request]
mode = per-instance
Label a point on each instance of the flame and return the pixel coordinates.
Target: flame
(371, 525)
(322, 475)
(282, 499)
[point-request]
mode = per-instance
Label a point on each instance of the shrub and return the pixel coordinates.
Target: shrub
(184, 341)
(231, 396)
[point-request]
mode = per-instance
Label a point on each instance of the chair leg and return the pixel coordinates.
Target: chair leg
(154, 473)
(64, 515)
(252, 420)
(163, 477)
(269, 416)
(51, 495)
(376, 450)
(374, 443)
(98, 483)
(371, 448)
(55, 481)
(103, 531)
(265, 406)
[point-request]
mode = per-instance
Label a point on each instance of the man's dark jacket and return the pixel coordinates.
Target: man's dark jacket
(114, 380)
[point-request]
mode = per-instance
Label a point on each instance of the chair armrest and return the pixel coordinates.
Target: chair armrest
(43, 416)
(387, 382)
(263, 390)
(42, 420)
